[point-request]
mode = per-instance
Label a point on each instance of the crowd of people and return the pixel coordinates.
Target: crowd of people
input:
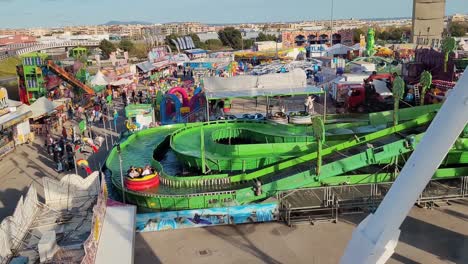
(62, 152)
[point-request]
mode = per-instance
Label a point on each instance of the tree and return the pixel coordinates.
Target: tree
(107, 47)
(426, 82)
(357, 34)
(231, 37)
(213, 44)
(248, 43)
(266, 37)
(140, 51)
(196, 40)
(458, 29)
(448, 46)
(126, 45)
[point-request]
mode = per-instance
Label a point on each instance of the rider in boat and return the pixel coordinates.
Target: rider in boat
(133, 172)
(147, 171)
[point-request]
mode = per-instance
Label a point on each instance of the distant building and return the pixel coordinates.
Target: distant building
(266, 45)
(16, 39)
(428, 22)
(292, 39)
(459, 18)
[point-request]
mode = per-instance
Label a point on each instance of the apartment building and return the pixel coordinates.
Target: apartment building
(459, 18)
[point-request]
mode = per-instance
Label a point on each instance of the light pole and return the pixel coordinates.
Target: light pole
(121, 172)
(105, 132)
(331, 23)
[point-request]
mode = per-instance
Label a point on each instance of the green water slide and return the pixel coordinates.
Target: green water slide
(290, 171)
(333, 173)
(245, 145)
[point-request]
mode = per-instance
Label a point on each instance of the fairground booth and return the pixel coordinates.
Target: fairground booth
(14, 123)
(139, 116)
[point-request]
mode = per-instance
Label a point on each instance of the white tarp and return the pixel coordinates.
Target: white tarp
(42, 107)
(263, 85)
(121, 82)
(99, 79)
(338, 49)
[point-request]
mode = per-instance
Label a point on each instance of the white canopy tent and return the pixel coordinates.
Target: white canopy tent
(121, 82)
(99, 79)
(338, 49)
(294, 82)
(42, 107)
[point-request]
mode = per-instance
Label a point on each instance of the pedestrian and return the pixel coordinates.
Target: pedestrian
(64, 132)
(70, 112)
(86, 116)
(116, 116)
(124, 98)
(70, 157)
(49, 144)
(133, 95)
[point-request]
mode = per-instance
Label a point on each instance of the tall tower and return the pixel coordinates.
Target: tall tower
(428, 22)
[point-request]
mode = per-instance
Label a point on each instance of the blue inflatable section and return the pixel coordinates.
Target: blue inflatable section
(170, 118)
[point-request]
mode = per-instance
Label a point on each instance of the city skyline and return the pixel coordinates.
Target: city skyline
(55, 13)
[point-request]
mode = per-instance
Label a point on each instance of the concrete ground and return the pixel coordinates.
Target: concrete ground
(29, 163)
(428, 236)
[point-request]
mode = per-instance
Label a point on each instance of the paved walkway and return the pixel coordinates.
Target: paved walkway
(428, 236)
(29, 163)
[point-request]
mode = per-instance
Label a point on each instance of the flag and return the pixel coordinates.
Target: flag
(82, 126)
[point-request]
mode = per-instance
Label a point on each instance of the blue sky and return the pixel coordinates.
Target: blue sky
(50, 13)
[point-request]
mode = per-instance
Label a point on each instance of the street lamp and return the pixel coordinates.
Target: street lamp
(121, 172)
(331, 23)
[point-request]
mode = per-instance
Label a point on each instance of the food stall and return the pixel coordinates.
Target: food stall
(14, 123)
(139, 116)
(44, 116)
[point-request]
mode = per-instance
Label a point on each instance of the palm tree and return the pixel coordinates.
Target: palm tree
(398, 90)
(426, 82)
(448, 46)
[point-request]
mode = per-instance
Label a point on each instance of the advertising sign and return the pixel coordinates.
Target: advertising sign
(253, 213)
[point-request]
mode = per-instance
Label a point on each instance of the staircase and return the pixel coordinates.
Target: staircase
(417, 96)
(193, 115)
(68, 77)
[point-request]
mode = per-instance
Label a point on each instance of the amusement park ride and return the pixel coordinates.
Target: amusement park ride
(38, 74)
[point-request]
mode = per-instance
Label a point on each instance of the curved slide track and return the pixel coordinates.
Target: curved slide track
(285, 166)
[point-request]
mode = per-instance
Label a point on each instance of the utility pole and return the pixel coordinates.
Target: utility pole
(331, 23)
(242, 41)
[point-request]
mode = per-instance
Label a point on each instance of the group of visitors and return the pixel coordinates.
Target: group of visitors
(62, 152)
